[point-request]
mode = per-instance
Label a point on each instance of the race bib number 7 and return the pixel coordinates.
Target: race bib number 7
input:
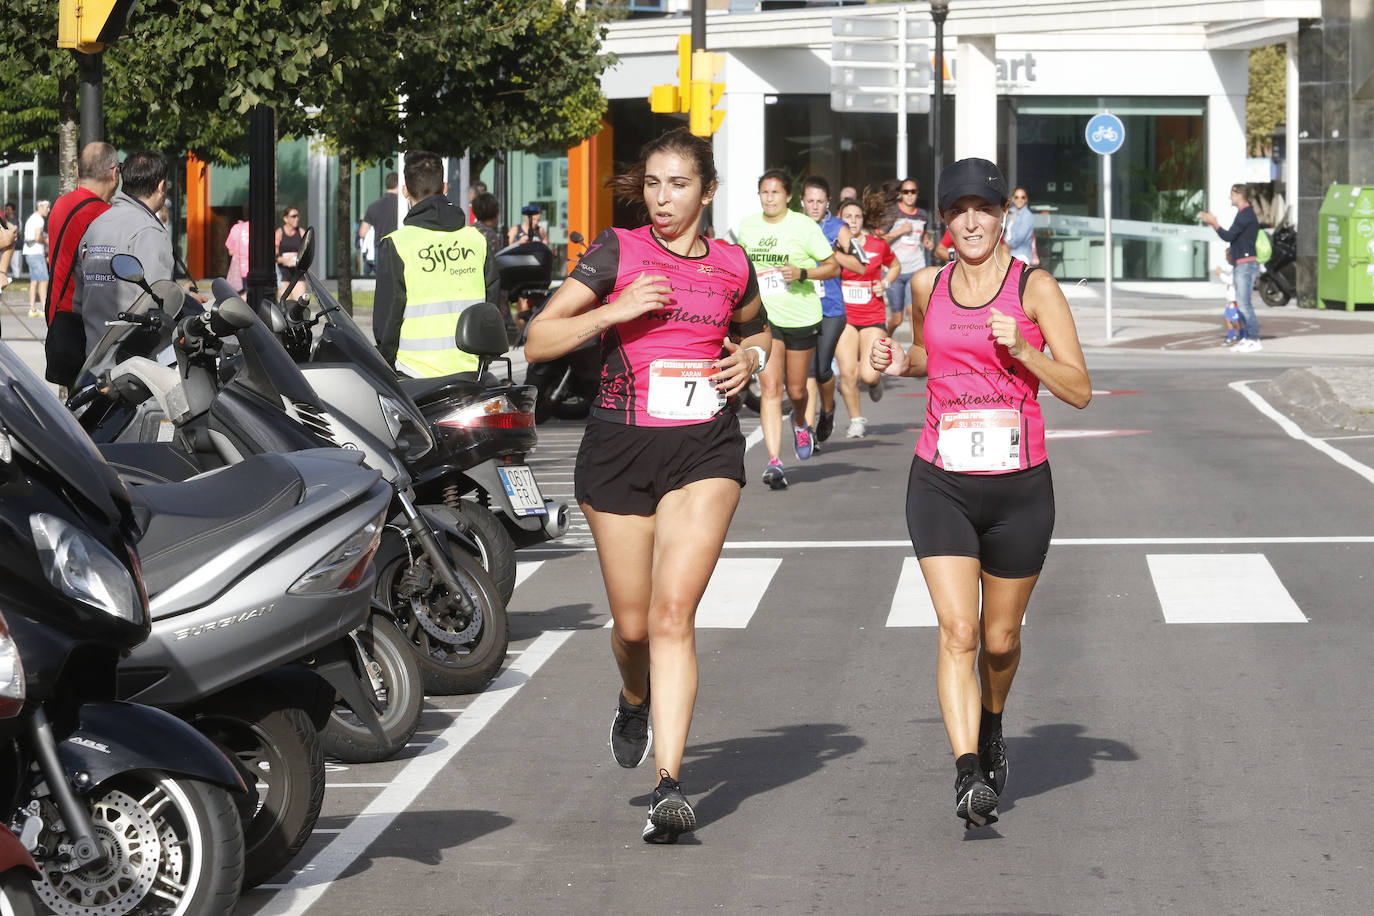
(980, 440)
(681, 389)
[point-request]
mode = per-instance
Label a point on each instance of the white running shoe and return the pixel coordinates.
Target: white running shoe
(858, 428)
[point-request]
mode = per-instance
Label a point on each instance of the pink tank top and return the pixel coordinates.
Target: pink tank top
(656, 368)
(982, 415)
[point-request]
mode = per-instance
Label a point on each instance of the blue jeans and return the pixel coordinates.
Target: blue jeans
(1244, 277)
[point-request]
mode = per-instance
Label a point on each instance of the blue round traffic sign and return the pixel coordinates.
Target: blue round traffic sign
(1105, 134)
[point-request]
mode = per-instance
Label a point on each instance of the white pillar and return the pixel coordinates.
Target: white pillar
(1225, 161)
(975, 98)
(1292, 130)
(318, 213)
(739, 160)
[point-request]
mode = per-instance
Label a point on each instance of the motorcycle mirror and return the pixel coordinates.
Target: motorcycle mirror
(271, 315)
(575, 237)
(481, 330)
(130, 269)
(237, 313)
(307, 253)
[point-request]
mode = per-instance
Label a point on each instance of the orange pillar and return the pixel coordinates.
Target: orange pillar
(197, 214)
(589, 200)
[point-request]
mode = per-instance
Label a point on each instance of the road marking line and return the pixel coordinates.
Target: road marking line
(1221, 588)
(310, 883)
(361, 785)
(753, 438)
(733, 594)
(1293, 430)
(525, 569)
(1057, 542)
(911, 604)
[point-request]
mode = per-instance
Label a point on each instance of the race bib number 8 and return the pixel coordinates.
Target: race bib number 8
(980, 440)
(681, 389)
(771, 280)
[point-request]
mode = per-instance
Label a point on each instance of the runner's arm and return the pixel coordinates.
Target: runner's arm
(571, 315)
(1065, 373)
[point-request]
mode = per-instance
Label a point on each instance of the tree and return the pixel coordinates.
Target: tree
(1267, 99)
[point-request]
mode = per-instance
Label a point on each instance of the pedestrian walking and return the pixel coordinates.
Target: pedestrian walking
(379, 221)
(820, 384)
(97, 178)
(661, 463)
(788, 251)
(36, 256)
(237, 242)
(904, 229)
(1242, 235)
(288, 240)
(1020, 231)
(869, 269)
(980, 499)
(1230, 316)
(9, 236)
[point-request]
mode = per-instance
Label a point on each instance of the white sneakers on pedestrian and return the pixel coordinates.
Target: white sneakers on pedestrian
(1247, 346)
(858, 427)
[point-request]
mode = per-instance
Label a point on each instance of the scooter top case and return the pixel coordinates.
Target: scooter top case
(227, 564)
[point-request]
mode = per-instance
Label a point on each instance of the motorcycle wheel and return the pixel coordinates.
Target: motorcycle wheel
(753, 397)
(495, 548)
(459, 640)
(1270, 292)
(177, 850)
(276, 747)
(346, 737)
(17, 895)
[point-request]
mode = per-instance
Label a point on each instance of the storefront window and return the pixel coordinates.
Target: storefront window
(1158, 179)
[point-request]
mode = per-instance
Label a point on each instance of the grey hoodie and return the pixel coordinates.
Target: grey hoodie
(128, 227)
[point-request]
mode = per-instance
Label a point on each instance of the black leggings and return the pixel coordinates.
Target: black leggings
(1004, 520)
(832, 326)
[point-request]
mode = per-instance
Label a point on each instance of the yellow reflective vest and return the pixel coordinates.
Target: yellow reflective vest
(445, 272)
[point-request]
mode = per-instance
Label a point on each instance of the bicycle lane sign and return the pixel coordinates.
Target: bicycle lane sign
(1105, 134)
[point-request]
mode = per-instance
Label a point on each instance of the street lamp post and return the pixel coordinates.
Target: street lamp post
(939, 9)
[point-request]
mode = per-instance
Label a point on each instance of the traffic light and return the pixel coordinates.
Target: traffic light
(90, 25)
(704, 118)
(667, 98)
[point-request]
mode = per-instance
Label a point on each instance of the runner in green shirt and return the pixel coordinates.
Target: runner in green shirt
(788, 250)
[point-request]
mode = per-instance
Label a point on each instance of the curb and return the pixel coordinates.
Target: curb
(1304, 389)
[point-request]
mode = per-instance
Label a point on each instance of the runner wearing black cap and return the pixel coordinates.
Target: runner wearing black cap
(980, 500)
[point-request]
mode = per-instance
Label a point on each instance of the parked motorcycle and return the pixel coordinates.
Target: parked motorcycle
(1277, 282)
(18, 871)
(447, 607)
(125, 809)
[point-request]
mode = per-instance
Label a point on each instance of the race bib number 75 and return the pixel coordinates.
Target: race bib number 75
(681, 389)
(980, 440)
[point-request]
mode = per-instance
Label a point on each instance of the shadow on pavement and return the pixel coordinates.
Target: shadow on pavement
(528, 624)
(424, 836)
(1056, 755)
(721, 775)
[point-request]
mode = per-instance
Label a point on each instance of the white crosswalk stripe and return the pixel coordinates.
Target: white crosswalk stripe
(734, 593)
(911, 605)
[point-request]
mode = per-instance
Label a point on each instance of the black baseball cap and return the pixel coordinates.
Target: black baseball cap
(971, 178)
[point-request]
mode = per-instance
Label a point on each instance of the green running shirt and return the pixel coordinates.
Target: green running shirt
(796, 239)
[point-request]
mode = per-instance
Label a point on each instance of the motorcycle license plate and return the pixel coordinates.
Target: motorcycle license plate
(524, 494)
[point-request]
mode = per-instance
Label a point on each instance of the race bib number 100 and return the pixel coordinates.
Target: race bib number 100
(980, 440)
(681, 389)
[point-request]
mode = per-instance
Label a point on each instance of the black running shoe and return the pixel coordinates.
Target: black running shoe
(670, 815)
(774, 476)
(975, 801)
(631, 733)
(825, 425)
(992, 758)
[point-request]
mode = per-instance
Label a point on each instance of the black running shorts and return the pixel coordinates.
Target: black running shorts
(1005, 520)
(798, 338)
(625, 470)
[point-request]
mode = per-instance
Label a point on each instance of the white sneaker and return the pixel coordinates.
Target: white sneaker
(1248, 346)
(858, 427)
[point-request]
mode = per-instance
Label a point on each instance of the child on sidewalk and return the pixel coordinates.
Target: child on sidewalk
(1234, 324)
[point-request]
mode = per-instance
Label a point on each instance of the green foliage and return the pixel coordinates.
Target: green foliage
(30, 70)
(1171, 191)
(1266, 102)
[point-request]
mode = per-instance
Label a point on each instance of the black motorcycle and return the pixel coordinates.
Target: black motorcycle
(124, 808)
(1277, 282)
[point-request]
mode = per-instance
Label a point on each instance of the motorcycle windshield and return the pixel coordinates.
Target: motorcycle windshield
(33, 415)
(122, 341)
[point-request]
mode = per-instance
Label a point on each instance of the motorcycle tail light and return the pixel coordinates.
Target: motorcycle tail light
(11, 674)
(344, 567)
(492, 413)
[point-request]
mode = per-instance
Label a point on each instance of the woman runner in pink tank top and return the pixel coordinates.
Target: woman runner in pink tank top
(980, 499)
(661, 462)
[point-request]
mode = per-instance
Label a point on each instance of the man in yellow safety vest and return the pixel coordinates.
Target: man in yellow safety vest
(428, 271)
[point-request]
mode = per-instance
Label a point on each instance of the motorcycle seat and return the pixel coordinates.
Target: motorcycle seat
(149, 462)
(424, 390)
(187, 524)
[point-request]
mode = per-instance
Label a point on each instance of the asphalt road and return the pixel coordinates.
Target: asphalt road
(1186, 732)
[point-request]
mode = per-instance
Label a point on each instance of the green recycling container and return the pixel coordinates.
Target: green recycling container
(1345, 252)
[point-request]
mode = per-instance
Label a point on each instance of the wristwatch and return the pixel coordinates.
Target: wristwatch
(763, 358)
(803, 276)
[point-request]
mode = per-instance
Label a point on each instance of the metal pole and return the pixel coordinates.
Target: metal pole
(1107, 235)
(261, 282)
(902, 169)
(90, 93)
(698, 25)
(938, 12)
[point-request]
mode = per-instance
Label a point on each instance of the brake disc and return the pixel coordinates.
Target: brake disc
(118, 885)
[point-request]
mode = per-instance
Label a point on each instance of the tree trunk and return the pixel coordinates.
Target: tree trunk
(343, 229)
(68, 133)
